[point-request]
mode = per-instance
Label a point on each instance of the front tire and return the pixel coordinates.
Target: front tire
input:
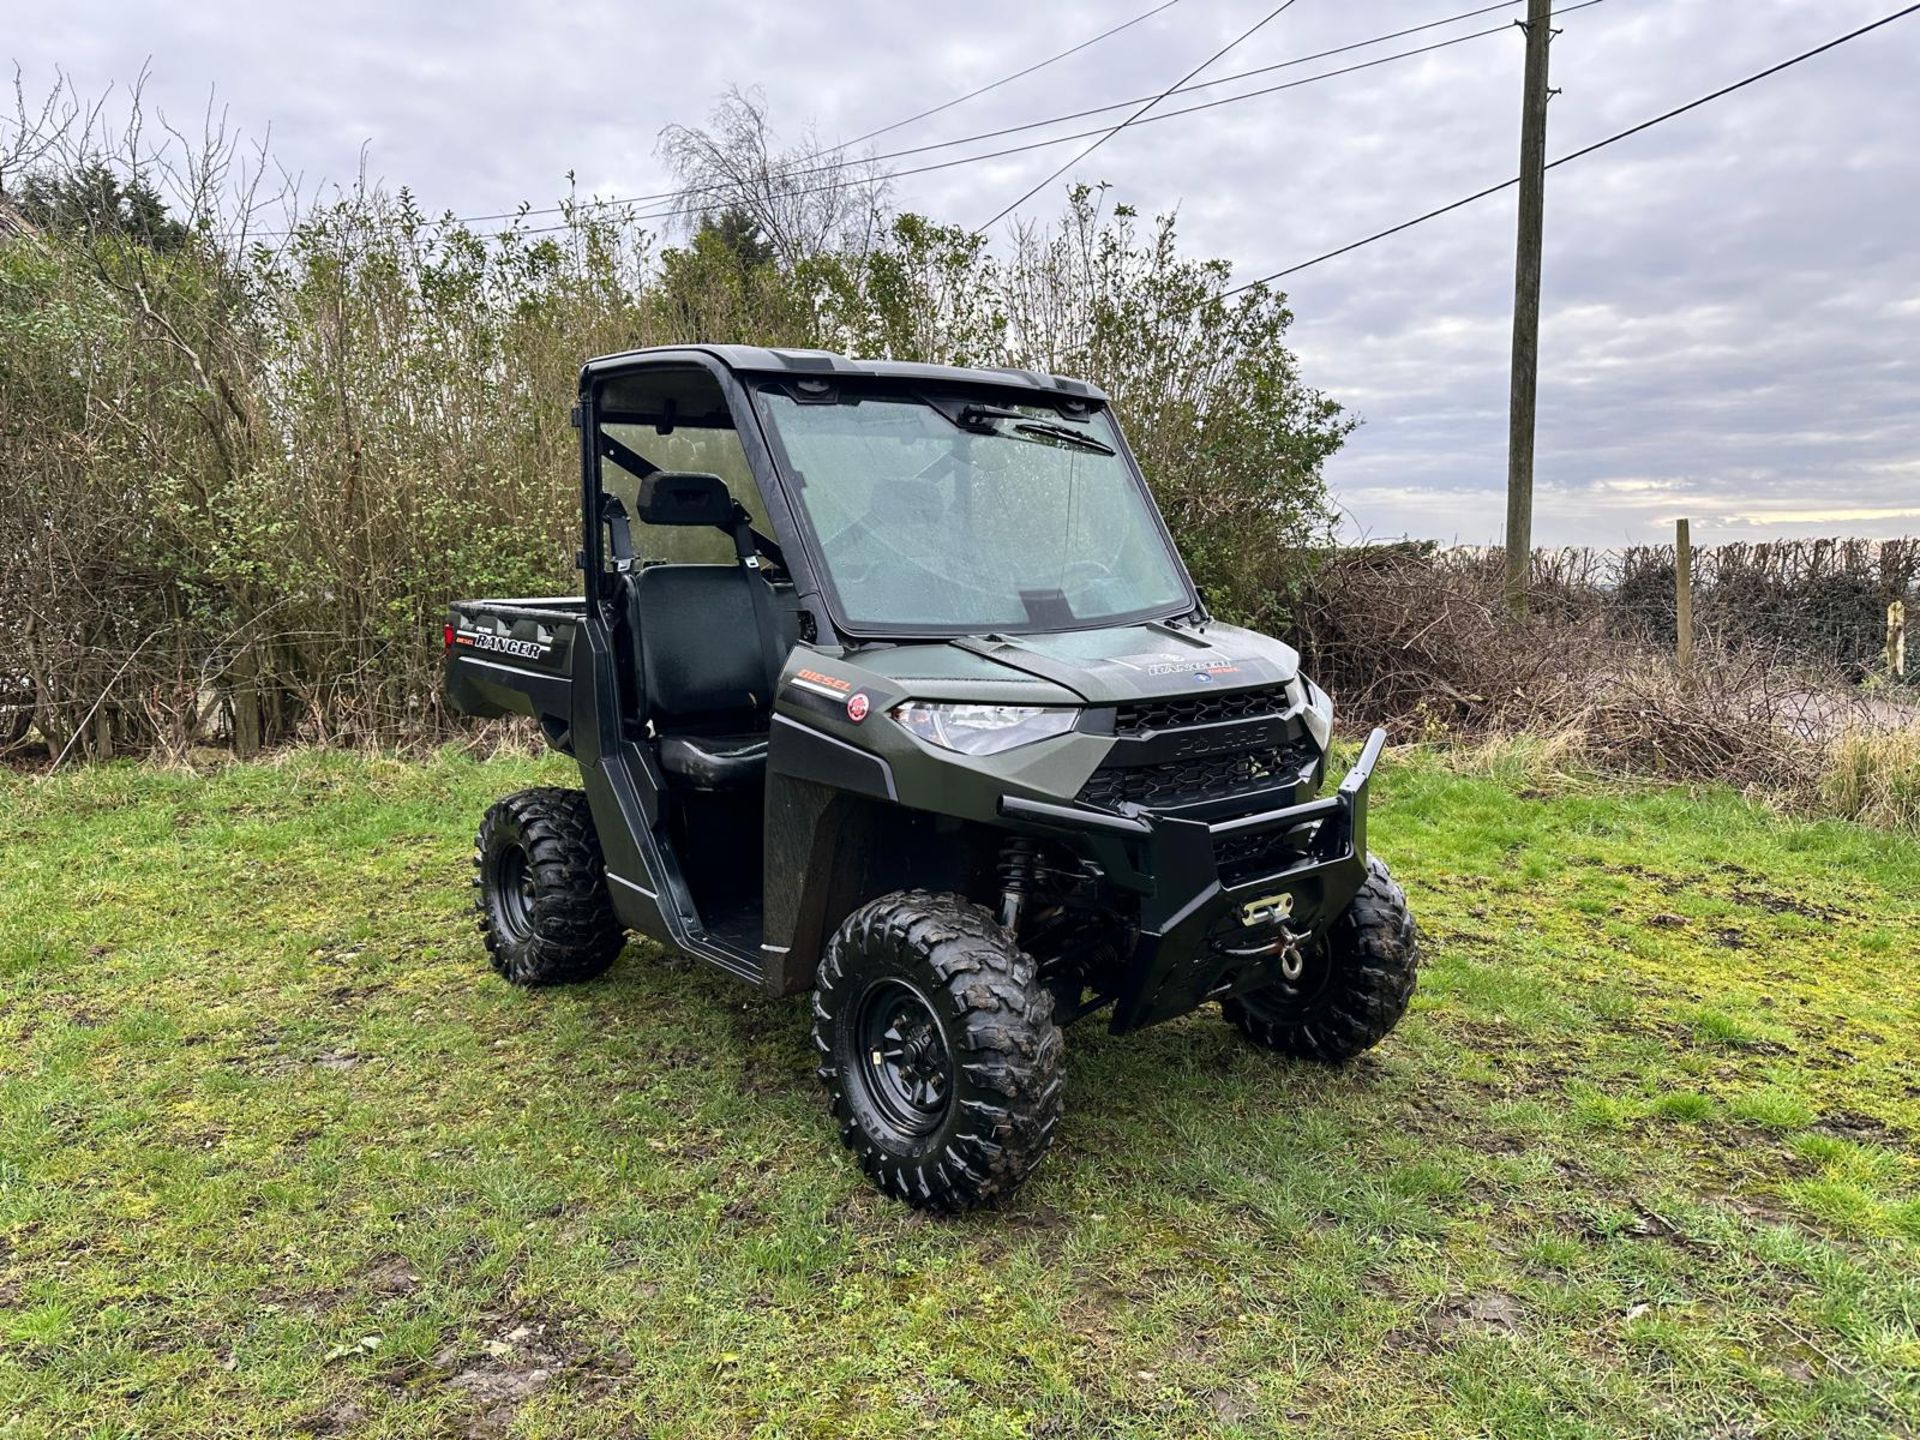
(1356, 983)
(938, 1050)
(540, 885)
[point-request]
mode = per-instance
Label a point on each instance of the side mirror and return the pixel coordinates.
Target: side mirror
(671, 497)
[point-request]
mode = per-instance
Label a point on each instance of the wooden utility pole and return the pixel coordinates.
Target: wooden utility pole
(1526, 303)
(1682, 597)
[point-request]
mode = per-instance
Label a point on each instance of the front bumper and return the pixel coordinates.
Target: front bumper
(1174, 865)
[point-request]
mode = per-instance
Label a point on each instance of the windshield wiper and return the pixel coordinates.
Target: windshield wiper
(981, 417)
(1065, 434)
(978, 419)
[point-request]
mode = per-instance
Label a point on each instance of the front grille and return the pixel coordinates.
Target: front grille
(1192, 781)
(1144, 717)
(1244, 857)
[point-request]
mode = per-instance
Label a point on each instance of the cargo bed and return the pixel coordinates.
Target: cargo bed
(515, 657)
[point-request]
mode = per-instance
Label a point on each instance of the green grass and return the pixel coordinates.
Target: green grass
(278, 1154)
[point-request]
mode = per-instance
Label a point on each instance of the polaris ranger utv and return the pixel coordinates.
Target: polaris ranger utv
(888, 683)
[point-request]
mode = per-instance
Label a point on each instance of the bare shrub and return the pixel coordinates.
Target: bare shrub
(1824, 599)
(1736, 717)
(1418, 639)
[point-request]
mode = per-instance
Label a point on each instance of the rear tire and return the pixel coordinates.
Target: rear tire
(1356, 985)
(541, 888)
(938, 1050)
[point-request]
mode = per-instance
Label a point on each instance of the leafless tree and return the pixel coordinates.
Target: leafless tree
(35, 132)
(808, 198)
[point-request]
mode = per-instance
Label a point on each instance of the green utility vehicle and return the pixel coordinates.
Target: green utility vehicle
(888, 684)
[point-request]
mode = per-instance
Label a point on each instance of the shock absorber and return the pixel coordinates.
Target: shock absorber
(1019, 873)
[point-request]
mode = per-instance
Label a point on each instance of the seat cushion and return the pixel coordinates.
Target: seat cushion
(714, 762)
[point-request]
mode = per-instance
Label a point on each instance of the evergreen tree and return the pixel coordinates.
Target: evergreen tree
(93, 200)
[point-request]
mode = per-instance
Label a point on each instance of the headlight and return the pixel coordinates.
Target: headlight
(982, 729)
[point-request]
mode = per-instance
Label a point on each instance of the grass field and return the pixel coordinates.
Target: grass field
(279, 1156)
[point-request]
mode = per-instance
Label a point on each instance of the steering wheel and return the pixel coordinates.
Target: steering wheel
(1083, 573)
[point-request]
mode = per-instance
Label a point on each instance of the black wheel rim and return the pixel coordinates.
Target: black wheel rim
(904, 1064)
(513, 891)
(1286, 999)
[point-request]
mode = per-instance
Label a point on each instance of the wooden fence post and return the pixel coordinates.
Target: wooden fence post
(1682, 596)
(245, 698)
(1897, 639)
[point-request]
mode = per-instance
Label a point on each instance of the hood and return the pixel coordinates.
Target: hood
(1094, 667)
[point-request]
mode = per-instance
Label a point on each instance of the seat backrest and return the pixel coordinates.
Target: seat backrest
(701, 663)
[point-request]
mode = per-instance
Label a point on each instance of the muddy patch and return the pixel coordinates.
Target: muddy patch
(1777, 902)
(345, 1416)
(1493, 1312)
(1860, 1128)
(495, 1390)
(392, 1277)
(520, 1358)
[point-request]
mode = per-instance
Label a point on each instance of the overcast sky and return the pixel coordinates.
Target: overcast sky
(1732, 301)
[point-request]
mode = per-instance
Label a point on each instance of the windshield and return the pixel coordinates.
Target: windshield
(962, 517)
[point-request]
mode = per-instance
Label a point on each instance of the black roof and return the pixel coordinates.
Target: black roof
(759, 360)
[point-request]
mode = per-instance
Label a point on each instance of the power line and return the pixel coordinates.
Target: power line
(830, 166)
(1054, 175)
(1080, 114)
(1006, 79)
(1165, 114)
(672, 210)
(844, 144)
(1084, 134)
(1149, 120)
(1355, 45)
(1674, 113)
(869, 135)
(1248, 75)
